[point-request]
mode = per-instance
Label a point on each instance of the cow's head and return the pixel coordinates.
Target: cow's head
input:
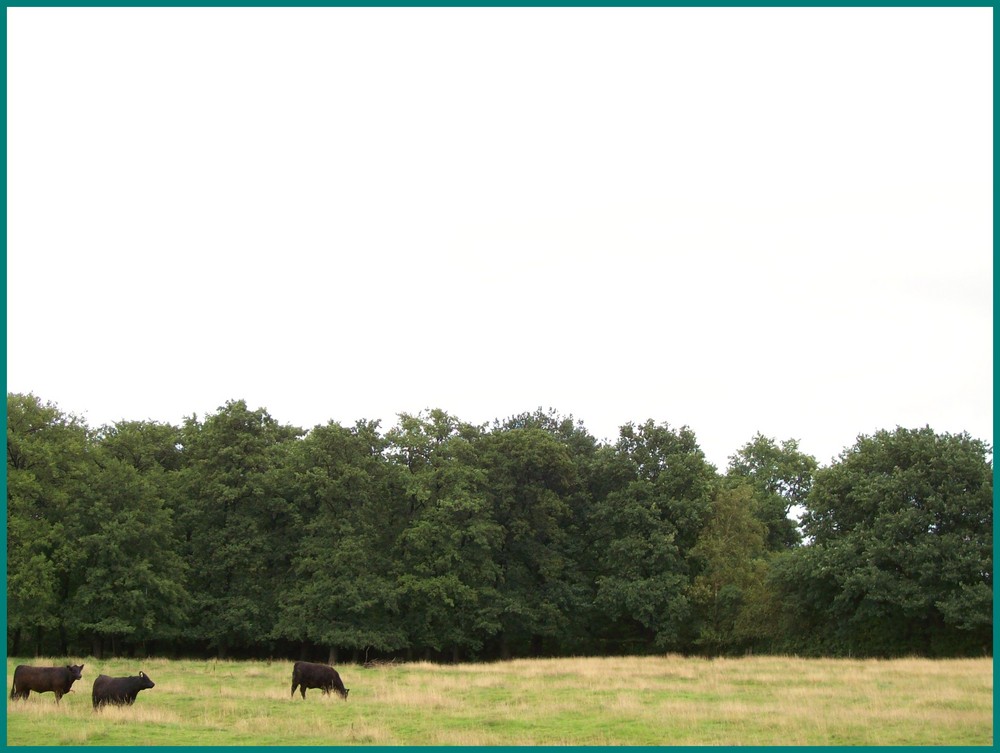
(75, 671)
(343, 693)
(146, 682)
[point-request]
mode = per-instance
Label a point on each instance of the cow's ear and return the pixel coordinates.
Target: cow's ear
(142, 674)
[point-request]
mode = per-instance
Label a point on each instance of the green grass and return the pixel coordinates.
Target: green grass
(667, 700)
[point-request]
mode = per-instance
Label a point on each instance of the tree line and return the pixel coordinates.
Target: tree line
(235, 535)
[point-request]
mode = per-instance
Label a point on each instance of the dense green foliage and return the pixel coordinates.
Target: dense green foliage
(236, 535)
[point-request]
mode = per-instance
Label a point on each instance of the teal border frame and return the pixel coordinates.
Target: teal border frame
(443, 4)
(509, 4)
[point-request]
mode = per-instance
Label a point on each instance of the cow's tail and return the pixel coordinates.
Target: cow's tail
(12, 686)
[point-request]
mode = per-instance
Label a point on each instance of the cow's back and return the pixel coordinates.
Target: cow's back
(58, 680)
(305, 670)
(28, 678)
(40, 675)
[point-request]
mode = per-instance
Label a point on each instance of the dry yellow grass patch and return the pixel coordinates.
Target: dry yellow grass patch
(138, 714)
(664, 700)
(409, 696)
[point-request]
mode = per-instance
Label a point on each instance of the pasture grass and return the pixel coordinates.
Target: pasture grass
(665, 700)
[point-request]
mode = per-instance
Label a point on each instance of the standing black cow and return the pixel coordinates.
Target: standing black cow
(59, 680)
(308, 675)
(120, 691)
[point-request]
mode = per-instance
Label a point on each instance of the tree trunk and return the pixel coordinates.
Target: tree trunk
(333, 656)
(15, 642)
(504, 647)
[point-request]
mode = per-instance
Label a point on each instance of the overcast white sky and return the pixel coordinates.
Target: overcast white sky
(742, 220)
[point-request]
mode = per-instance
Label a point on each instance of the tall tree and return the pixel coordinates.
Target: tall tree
(531, 480)
(649, 523)
(48, 467)
(901, 530)
(577, 546)
(344, 593)
(133, 588)
(447, 548)
(731, 558)
(236, 523)
(781, 475)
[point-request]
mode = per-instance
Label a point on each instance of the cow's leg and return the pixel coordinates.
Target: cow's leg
(294, 685)
(58, 696)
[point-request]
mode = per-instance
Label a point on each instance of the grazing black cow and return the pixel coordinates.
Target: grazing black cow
(119, 691)
(58, 680)
(308, 675)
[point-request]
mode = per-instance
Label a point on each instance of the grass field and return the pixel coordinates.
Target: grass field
(667, 700)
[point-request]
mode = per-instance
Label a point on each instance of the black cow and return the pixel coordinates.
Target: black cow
(308, 675)
(120, 691)
(58, 680)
